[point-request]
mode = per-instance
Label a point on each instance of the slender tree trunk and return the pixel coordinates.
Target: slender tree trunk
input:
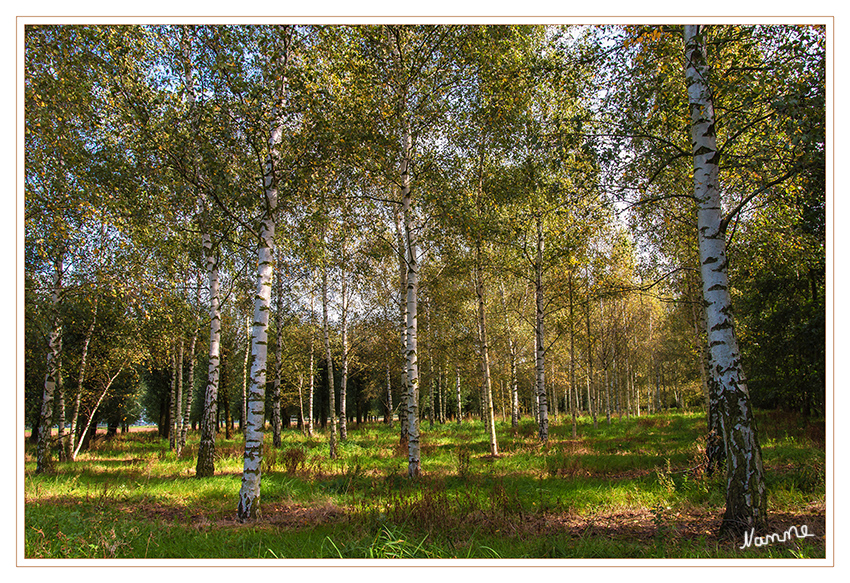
(552, 391)
(329, 358)
(88, 424)
(51, 378)
(249, 494)
(485, 357)
(312, 373)
(60, 410)
(441, 385)
(205, 466)
(628, 385)
(430, 372)
(457, 390)
(405, 389)
(388, 418)
(412, 348)
(540, 347)
(174, 409)
(177, 423)
(276, 417)
(75, 412)
(244, 410)
(413, 454)
(343, 388)
(746, 496)
(637, 392)
(209, 419)
(190, 389)
(590, 403)
(301, 402)
(572, 356)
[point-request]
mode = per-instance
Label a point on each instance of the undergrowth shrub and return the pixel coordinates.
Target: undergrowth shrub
(462, 461)
(559, 464)
(292, 458)
(270, 459)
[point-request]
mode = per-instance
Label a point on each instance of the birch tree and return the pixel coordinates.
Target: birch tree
(746, 496)
(249, 494)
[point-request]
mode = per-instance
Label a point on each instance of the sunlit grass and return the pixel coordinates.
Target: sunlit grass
(632, 489)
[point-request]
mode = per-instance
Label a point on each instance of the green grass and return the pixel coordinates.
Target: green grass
(632, 490)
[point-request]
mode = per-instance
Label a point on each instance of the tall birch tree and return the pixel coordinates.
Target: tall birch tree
(746, 495)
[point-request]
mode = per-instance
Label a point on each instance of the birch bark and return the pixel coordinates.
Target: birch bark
(190, 388)
(746, 497)
(412, 306)
(248, 341)
(172, 400)
(485, 357)
(209, 420)
(177, 424)
(413, 455)
(205, 466)
(249, 494)
(50, 380)
(329, 358)
(572, 393)
(514, 396)
(60, 411)
(276, 420)
(402, 302)
(75, 412)
(388, 419)
(457, 390)
(343, 385)
(312, 373)
(540, 347)
(88, 424)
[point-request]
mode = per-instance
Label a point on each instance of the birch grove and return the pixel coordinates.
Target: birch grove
(650, 200)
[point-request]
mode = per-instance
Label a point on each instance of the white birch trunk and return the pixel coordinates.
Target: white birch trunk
(300, 402)
(485, 359)
(388, 419)
(590, 403)
(329, 358)
(172, 396)
(457, 390)
(402, 302)
(54, 349)
(95, 408)
(572, 395)
(312, 374)
(276, 414)
(75, 412)
(209, 419)
(190, 388)
(746, 497)
(249, 494)
(343, 384)
(512, 349)
(205, 466)
(248, 340)
(540, 347)
(60, 411)
(413, 454)
(177, 423)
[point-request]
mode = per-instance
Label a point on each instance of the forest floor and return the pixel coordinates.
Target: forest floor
(635, 489)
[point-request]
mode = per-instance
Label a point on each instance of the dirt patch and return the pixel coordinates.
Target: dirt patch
(279, 514)
(692, 524)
